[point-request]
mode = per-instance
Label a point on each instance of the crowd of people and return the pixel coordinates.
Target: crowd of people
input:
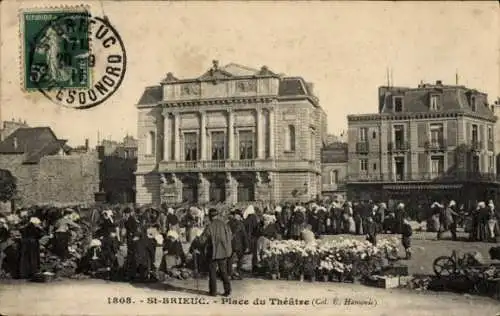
(160, 240)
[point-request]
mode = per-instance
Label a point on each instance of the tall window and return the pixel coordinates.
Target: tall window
(437, 132)
(363, 165)
(475, 134)
(190, 146)
(334, 176)
(398, 104)
(434, 102)
(475, 163)
(151, 144)
(218, 146)
(490, 138)
(290, 138)
(437, 166)
(247, 149)
(473, 103)
(363, 133)
(399, 134)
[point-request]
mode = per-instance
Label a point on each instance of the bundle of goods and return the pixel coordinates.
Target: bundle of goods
(343, 258)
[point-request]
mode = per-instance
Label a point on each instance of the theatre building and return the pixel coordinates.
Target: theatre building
(427, 143)
(234, 134)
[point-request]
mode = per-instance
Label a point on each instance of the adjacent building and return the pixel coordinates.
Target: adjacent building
(118, 162)
(430, 142)
(8, 127)
(334, 158)
(46, 169)
(232, 134)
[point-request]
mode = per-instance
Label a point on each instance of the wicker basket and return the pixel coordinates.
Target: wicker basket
(43, 277)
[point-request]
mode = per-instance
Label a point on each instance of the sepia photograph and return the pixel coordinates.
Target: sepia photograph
(251, 157)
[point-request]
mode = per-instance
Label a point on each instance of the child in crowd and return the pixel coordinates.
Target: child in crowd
(406, 234)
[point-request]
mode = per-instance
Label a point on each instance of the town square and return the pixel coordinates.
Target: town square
(250, 158)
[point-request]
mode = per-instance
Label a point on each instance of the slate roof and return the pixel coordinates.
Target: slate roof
(289, 86)
(334, 153)
(151, 95)
(34, 142)
(417, 100)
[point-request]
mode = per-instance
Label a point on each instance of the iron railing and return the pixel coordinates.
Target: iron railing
(398, 146)
(362, 147)
(424, 176)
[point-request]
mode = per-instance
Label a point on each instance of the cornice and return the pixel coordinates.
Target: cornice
(216, 79)
(417, 116)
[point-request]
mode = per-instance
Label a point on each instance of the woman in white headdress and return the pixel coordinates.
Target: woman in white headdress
(174, 255)
(492, 228)
(29, 260)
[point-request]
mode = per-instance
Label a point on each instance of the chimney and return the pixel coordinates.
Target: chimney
(86, 144)
(439, 83)
(14, 141)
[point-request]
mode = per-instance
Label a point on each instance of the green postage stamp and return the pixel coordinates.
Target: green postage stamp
(55, 48)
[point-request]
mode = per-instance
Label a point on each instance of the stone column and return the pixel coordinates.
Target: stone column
(166, 136)
(230, 131)
(231, 194)
(271, 132)
(177, 141)
(203, 135)
(260, 134)
(203, 188)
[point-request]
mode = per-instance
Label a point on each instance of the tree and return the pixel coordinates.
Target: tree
(8, 186)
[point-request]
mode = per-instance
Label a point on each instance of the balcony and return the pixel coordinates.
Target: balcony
(239, 165)
(457, 176)
(491, 146)
(362, 147)
(436, 145)
(398, 146)
(476, 145)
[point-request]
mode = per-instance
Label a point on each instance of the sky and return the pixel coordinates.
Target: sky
(344, 48)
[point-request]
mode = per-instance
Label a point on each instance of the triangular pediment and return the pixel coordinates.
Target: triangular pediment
(215, 74)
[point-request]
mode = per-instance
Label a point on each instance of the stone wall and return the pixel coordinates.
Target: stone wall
(56, 179)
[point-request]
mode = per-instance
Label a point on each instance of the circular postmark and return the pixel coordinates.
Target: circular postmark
(77, 60)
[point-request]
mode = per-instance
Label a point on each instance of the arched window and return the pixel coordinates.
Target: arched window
(290, 138)
(151, 145)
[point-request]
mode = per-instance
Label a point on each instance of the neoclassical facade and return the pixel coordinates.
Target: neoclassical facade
(233, 134)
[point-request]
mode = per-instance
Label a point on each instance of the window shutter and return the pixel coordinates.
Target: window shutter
(422, 163)
(482, 136)
(451, 162)
(468, 137)
(452, 133)
(389, 136)
(422, 134)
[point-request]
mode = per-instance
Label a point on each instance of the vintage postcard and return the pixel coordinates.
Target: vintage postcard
(249, 157)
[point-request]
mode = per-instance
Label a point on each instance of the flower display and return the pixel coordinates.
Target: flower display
(340, 256)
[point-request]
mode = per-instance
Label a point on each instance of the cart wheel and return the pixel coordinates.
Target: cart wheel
(444, 266)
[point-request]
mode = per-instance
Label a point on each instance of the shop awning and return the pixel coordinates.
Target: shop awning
(422, 187)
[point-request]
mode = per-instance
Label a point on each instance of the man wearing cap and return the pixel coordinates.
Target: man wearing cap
(218, 237)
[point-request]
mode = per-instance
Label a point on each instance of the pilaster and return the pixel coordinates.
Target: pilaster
(167, 141)
(203, 135)
(260, 134)
(177, 142)
(230, 133)
(271, 132)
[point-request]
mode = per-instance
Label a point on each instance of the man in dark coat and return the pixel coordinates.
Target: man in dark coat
(218, 238)
(240, 243)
